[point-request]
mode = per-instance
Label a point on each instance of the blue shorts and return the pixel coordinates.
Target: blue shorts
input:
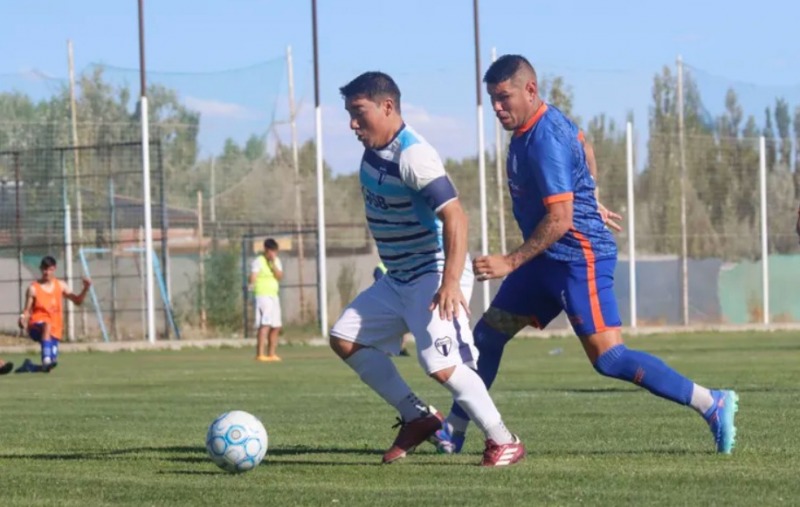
(543, 287)
(35, 332)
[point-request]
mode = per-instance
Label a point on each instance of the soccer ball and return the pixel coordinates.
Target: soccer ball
(236, 441)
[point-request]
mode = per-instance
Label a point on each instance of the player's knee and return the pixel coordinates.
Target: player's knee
(496, 322)
(343, 348)
(613, 362)
(443, 376)
(487, 336)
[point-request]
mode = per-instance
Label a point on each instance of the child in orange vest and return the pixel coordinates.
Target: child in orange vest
(43, 315)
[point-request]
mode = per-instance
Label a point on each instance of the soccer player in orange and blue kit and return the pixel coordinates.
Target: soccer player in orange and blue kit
(566, 262)
(43, 315)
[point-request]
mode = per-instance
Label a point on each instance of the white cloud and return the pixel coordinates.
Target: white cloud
(219, 109)
(454, 137)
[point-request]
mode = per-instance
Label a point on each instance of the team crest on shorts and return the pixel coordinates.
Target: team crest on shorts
(444, 345)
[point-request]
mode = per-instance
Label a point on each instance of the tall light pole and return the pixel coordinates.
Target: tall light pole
(148, 218)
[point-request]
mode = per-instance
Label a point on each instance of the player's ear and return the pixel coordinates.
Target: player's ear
(532, 89)
(388, 106)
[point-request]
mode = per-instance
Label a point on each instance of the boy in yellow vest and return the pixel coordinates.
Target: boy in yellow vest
(265, 274)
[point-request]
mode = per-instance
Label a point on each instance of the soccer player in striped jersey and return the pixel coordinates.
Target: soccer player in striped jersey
(420, 229)
(566, 262)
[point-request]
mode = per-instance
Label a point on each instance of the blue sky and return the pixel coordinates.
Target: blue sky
(607, 51)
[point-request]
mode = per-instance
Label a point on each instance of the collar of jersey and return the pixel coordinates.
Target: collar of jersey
(532, 121)
(402, 128)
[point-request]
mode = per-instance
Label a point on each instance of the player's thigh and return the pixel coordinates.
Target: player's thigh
(523, 299)
(267, 311)
(36, 331)
(589, 298)
(373, 319)
(440, 343)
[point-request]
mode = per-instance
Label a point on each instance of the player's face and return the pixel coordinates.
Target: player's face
(48, 273)
(512, 101)
(369, 120)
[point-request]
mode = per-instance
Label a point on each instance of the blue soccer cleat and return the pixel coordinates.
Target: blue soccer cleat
(25, 367)
(720, 419)
(447, 441)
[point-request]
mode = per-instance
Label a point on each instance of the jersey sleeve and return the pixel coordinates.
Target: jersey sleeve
(422, 171)
(554, 159)
(277, 263)
(255, 265)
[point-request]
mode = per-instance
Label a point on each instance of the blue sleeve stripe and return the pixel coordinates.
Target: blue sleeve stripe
(438, 192)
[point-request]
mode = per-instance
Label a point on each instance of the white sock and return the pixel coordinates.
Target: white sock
(470, 392)
(378, 371)
(702, 401)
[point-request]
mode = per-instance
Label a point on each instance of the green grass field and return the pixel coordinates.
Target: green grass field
(128, 429)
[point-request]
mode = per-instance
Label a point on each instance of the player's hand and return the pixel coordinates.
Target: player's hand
(609, 217)
(489, 267)
(21, 322)
(449, 298)
(87, 282)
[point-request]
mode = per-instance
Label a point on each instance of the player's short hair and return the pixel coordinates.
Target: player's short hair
(270, 244)
(48, 261)
(372, 85)
(505, 67)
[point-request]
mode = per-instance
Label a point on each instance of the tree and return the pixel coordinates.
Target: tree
(783, 121)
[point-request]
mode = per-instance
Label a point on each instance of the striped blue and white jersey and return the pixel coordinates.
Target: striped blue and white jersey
(404, 186)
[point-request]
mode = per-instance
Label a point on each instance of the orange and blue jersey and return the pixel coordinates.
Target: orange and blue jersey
(546, 165)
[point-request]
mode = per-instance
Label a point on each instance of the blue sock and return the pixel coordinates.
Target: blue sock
(49, 352)
(647, 371)
(490, 344)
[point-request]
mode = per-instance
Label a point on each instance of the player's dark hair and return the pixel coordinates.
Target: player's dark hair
(48, 261)
(270, 244)
(372, 85)
(505, 67)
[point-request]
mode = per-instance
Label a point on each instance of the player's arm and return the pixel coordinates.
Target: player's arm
(276, 267)
(254, 269)
(609, 217)
(455, 225)
(556, 223)
(553, 177)
(550, 229)
(591, 161)
(30, 294)
(423, 171)
(76, 298)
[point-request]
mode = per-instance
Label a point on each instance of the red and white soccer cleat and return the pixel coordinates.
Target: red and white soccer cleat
(500, 455)
(412, 434)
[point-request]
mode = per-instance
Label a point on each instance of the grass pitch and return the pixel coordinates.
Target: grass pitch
(128, 429)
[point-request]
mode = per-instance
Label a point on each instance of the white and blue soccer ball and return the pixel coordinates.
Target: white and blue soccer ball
(236, 441)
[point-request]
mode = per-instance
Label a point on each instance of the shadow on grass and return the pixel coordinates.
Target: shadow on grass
(198, 455)
(192, 472)
(170, 451)
(296, 450)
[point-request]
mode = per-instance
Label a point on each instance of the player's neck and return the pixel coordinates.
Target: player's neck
(532, 117)
(396, 126)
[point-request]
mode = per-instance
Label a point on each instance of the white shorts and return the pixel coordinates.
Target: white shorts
(381, 314)
(268, 311)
